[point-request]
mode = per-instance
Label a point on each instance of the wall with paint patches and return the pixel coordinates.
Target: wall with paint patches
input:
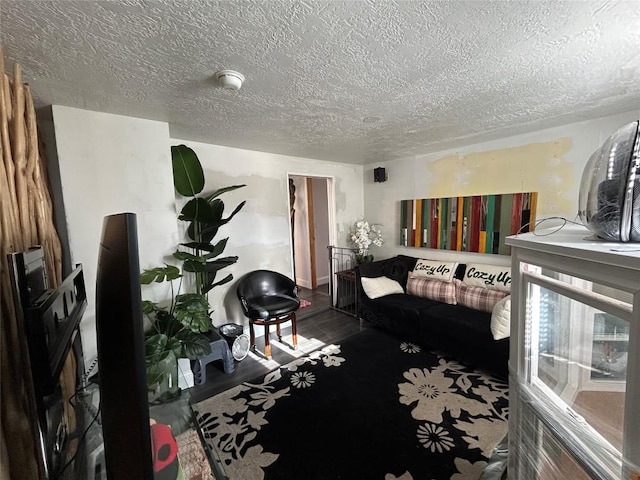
(549, 162)
(112, 163)
(108, 164)
(260, 235)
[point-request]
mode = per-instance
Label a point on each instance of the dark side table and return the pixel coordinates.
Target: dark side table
(346, 292)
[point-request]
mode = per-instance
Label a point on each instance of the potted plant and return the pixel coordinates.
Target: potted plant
(362, 236)
(179, 329)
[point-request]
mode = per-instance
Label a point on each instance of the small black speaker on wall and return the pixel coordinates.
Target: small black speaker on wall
(379, 174)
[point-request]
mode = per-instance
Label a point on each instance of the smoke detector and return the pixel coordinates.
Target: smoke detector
(229, 79)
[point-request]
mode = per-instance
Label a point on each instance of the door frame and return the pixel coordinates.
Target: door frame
(331, 214)
(312, 231)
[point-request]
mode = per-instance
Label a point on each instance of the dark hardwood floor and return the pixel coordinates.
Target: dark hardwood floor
(319, 298)
(317, 327)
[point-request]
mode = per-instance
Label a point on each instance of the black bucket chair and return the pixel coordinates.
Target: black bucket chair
(268, 298)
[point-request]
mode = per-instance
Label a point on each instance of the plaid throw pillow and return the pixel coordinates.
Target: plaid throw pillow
(478, 298)
(432, 289)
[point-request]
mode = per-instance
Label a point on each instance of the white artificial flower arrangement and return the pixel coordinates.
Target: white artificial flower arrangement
(363, 235)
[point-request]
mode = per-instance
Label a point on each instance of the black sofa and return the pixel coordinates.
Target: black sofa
(456, 330)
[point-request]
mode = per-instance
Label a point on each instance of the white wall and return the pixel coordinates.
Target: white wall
(549, 162)
(321, 229)
(111, 164)
(260, 234)
(302, 255)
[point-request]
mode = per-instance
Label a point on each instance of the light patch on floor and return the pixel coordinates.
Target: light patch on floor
(535, 167)
(258, 357)
(305, 346)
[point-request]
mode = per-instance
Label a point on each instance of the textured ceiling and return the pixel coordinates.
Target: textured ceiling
(437, 74)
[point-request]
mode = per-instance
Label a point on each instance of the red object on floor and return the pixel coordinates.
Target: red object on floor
(304, 303)
(165, 453)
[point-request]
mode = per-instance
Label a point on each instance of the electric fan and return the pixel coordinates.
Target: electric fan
(609, 199)
(238, 341)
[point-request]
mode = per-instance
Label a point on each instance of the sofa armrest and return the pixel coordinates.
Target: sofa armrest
(372, 269)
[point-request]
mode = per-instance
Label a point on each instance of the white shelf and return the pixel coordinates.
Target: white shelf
(611, 338)
(562, 279)
(577, 242)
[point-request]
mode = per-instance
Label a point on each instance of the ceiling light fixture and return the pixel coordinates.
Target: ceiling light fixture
(229, 79)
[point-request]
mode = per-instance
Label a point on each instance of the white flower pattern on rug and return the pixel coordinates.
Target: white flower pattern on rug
(231, 435)
(251, 465)
(408, 347)
(482, 428)
(434, 393)
(468, 470)
(450, 388)
(404, 476)
(302, 379)
(435, 438)
(451, 405)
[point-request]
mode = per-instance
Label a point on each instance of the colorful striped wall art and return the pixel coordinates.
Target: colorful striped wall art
(470, 224)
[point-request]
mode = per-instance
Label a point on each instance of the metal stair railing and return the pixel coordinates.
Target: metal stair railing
(342, 280)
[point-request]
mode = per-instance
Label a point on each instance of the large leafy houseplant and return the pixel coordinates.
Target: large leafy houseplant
(178, 330)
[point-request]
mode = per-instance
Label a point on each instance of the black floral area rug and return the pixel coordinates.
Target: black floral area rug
(373, 407)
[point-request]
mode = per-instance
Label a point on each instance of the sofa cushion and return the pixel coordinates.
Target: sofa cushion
(469, 326)
(493, 277)
(478, 298)
(398, 268)
(432, 289)
(434, 269)
(401, 305)
(380, 286)
(398, 312)
(501, 319)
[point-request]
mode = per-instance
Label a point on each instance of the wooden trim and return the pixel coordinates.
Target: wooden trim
(312, 232)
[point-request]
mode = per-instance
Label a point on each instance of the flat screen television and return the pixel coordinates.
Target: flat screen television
(609, 198)
(121, 356)
(49, 320)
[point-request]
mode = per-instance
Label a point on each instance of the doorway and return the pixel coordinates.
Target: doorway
(311, 208)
